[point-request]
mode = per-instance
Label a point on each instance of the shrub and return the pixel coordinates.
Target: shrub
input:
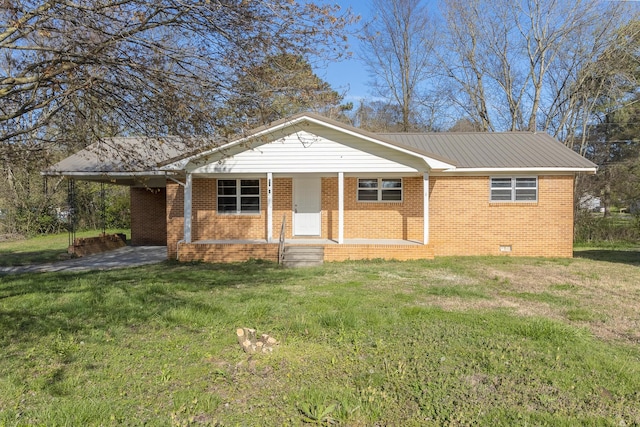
(118, 210)
(34, 220)
(593, 228)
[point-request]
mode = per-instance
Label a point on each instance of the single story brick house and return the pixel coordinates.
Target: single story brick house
(308, 180)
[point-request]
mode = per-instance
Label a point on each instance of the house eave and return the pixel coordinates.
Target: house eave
(116, 174)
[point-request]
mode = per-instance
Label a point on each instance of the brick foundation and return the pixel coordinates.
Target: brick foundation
(238, 252)
(388, 252)
(227, 252)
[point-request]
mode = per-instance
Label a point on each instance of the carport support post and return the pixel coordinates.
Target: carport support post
(72, 218)
(269, 207)
(187, 208)
(340, 208)
(425, 186)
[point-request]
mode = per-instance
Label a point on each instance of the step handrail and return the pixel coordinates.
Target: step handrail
(281, 240)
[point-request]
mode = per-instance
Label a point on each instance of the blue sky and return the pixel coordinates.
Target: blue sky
(349, 76)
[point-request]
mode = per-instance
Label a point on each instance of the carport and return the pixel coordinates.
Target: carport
(131, 162)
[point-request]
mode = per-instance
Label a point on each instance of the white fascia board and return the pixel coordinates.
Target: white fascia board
(519, 170)
(437, 165)
(176, 166)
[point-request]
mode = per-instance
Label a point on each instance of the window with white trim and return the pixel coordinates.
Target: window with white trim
(238, 196)
(379, 189)
(514, 189)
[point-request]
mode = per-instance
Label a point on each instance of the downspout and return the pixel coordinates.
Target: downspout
(178, 249)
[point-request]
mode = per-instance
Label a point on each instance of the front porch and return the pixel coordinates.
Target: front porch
(349, 249)
(330, 214)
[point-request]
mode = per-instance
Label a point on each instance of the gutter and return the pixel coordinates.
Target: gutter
(102, 173)
(525, 170)
(178, 249)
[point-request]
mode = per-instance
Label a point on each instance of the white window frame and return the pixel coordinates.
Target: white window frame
(380, 189)
(238, 196)
(513, 189)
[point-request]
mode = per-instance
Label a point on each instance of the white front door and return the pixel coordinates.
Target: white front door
(306, 206)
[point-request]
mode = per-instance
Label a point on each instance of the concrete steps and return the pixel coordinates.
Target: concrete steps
(303, 256)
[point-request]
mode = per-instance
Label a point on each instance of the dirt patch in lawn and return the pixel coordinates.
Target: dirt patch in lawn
(600, 296)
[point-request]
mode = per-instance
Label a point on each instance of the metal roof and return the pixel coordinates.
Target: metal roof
(135, 155)
(495, 149)
(472, 150)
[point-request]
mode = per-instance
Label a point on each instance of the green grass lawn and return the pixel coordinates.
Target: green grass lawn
(455, 341)
(42, 249)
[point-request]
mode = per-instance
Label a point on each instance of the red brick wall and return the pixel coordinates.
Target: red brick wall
(402, 220)
(236, 252)
(464, 222)
(372, 220)
(208, 225)
(148, 225)
(282, 206)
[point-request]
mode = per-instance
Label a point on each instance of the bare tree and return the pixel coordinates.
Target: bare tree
(82, 70)
(514, 64)
(381, 116)
(608, 104)
(398, 46)
(607, 84)
(462, 61)
(156, 66)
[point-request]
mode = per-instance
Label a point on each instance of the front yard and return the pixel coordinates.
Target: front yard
(455, 341)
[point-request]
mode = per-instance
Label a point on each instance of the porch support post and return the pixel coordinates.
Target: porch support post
(340, 208)
(187, 208)
(425, 184)
(269, 207)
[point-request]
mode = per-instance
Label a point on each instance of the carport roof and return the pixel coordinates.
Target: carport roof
(125, 154)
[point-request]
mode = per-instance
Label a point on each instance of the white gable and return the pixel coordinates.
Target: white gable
(303, 152)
